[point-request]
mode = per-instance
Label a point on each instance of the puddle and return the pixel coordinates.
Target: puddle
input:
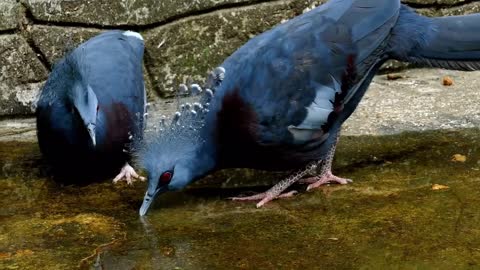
(390, 217)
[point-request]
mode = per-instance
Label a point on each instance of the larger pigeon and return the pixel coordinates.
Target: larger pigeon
(286, 92)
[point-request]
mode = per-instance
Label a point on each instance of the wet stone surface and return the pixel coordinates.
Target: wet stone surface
(410, 207)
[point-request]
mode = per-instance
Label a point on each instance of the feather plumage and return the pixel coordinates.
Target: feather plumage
(286, 92)
(99, 82)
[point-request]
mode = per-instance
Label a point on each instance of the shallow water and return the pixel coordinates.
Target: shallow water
(390, 217)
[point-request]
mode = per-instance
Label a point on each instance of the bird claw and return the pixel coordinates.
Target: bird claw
(328, 177)
(129, 174)
(264, 197)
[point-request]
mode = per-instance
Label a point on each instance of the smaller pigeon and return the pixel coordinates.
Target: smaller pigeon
(92, 108)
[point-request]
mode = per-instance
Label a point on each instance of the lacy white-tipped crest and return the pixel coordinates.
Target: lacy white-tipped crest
(182, 134)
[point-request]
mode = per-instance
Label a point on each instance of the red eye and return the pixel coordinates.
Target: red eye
(165, 178)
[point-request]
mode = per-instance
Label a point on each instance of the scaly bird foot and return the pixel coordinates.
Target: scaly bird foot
(275, 192)
(129, 174)
(328, 177)
(264, 197)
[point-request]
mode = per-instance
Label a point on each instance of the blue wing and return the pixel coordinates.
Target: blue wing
(114, 72)
(298, 77)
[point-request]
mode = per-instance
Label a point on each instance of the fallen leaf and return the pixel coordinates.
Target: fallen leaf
(447, 81)
(5, 255)
(24, 252)
(459, 158)
(439, 187)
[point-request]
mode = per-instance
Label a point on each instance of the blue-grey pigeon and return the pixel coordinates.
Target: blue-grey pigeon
(92, 107)
(283, 96)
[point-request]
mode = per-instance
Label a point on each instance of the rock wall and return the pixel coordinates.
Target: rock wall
(184, 38)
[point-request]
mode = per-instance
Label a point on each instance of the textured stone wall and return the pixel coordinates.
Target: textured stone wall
(184, 38)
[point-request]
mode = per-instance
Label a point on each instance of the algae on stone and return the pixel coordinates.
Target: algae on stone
(21, 74)
(9, 13)
(186, 50)
(121, 12)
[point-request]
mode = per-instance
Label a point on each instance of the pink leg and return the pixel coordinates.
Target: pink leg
(276, 191)
(326, 175)
(129, 174)
(263, 195)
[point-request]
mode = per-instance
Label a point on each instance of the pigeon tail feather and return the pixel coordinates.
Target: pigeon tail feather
(445, 42)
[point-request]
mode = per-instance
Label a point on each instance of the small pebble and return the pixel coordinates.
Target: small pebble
(447, 81)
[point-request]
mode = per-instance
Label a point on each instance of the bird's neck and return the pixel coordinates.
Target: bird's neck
(203, 164)
(203, 158)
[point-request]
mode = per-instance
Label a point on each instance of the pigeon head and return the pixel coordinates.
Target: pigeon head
(85, 105)
(173, 160)
(166, 176)
(184, 151)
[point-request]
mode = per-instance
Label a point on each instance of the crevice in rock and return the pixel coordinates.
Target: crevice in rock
(28, 17)
(146, 27)
(40, 55)
(194, 13)
(438, 6)
(31, 81)
(8, 32)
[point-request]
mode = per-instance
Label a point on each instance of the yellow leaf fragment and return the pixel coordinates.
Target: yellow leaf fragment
(5, 255)
(439, 187)
(459, 158)
(24, 252)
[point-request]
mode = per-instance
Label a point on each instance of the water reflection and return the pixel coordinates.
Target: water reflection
(389, 217)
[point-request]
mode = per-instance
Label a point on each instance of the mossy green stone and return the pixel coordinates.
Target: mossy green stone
(21, 74)
(9, 13)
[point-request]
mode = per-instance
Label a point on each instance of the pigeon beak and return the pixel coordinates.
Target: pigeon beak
(148, 199)
(91, 132)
